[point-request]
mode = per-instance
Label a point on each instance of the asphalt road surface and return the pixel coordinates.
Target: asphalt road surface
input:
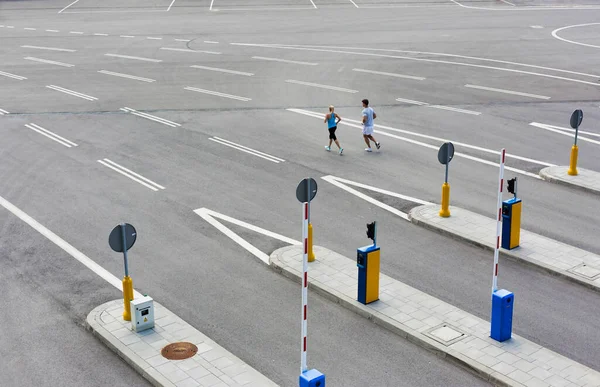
(145, 111)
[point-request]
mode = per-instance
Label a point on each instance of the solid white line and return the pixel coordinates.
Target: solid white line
(76, 32)
(48, 61)
(354, 3)
(282, 60)
(9, 75)
(410, 101)
(2, 112)
(170, 5)
(379, 190)
(389, 74)
(72, 251)
(218, 94)
(134, 57)
(222, 70)
(313, 3)
(99, 34)
(127, 36)
(555, 34)
(507, 91)
(71, 92)
(566, 129)
(243, 150)
(52, 31)
(51, 135)
(211, 4)
(551, 128)
(189, 50)
(209, 216)
(508, 2)
(151, 117)
(452, 109)
(250, 149)
(210, 42)
(153, 38)
(134, 174)
(68, 6)
(50, 48)
(321, 86)
(183, 40)
(29, 29)
(121, 170)
(127, 76)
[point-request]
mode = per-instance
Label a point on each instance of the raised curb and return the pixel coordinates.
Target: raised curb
(378, 318)
(554, 175)
(506, 253)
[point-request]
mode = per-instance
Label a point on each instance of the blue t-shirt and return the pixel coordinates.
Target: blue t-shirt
(331, 121)
(368, 111)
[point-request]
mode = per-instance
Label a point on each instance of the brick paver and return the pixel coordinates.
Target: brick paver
(572, 262)
(410, 312)
(211, 366)
(585, 179)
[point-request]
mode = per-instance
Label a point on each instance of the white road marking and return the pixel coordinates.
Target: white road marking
(153, 38)
(555, 34)
(9, 75)
(218, 94)
(211, 42)
(438, 106)
(100, 34)
(52, 31)
(127, 76)
(48, 61)
(565, 132)
(183, 40)
(151, 117)
(507, 91)
(527, 8)
(321, 86)
(211, 5)
(76, 32)
(245, 149)
(50, 48)
(126, 36)
(222, 70)
(284, 60)
(130, 174)
(189, 50)
(209, 216)
(73, 3)
(352, 1)
(537, 27)
(565, 129)
(343, 184)
(73, 93)
(434, 147)
(508, 2)
(389, 74)
(10, 26)
(72, 251)
(29, 29)
(170, 5)
(313, 3)
(51, 135)
(134, 58)
(3, 112)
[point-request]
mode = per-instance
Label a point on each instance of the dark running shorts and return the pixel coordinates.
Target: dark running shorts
(332, 133)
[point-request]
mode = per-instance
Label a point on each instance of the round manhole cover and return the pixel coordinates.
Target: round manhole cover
(179, 351)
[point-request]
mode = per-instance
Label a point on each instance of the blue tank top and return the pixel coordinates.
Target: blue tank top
(331, 121)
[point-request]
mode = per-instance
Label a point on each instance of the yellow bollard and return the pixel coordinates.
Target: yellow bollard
(573, 162)
(445, 211)
(311, 254)
(127, 297)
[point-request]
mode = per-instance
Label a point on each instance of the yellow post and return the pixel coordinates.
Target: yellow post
(311, 254)
(573, 162)
(127, 297)
(445, 211)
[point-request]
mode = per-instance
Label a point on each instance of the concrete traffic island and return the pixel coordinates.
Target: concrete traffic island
(435, 325)
(585, 179)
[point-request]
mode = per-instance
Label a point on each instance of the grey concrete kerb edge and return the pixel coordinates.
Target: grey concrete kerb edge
(546, 174)
(395, 327)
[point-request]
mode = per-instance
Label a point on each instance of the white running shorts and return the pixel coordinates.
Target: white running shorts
(367, 130)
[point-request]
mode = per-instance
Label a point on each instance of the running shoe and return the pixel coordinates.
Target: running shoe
(341, 151)
(378, 145)
(369, 149)
(327, 148)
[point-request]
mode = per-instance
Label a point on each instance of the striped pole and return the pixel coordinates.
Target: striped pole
(303, 367)
(498, 222)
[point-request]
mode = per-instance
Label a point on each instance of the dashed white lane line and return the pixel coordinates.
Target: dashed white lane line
(51, 135)
(49, 48)
(76, 32)
(14, 76)
(504, 91)
(245, 149)
(71, 92)
(222, 70)
(52, 31)
(182, 40)
(321, 86)
(441, 107)
(127, 36)
(218, 94)
(283, 60)
(48, 61)
(153, 38)
(72, 251)
(134, 58)
(10, 26)
(390, 74)
(130, 174)
(209, 42)
(189, 50)
(30, 29)
(100, 34)
(3, 112)
(127, 76)
(151, 117)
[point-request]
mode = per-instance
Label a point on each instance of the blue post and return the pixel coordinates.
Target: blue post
(503, 303)
(312, 378)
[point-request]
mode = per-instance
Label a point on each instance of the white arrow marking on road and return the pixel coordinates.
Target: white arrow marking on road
(565, 132)
(343, 184)
(210, 216)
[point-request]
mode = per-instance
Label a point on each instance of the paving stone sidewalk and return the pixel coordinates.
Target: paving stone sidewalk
(568, 261)
(585, 179)
(211, 366)
(436, 325)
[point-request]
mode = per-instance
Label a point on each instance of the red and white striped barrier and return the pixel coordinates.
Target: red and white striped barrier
(305, 211)
(498, 222)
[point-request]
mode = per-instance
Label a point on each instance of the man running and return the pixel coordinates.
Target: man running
(330, 119)
(368, 115)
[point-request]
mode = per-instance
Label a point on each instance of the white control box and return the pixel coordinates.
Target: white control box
(142, 314)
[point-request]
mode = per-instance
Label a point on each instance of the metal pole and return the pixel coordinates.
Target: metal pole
(576, 133)
(375, 234)
(305, 211)
(308, 197)
(498, 222)
(446, 179)
(125, 249)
